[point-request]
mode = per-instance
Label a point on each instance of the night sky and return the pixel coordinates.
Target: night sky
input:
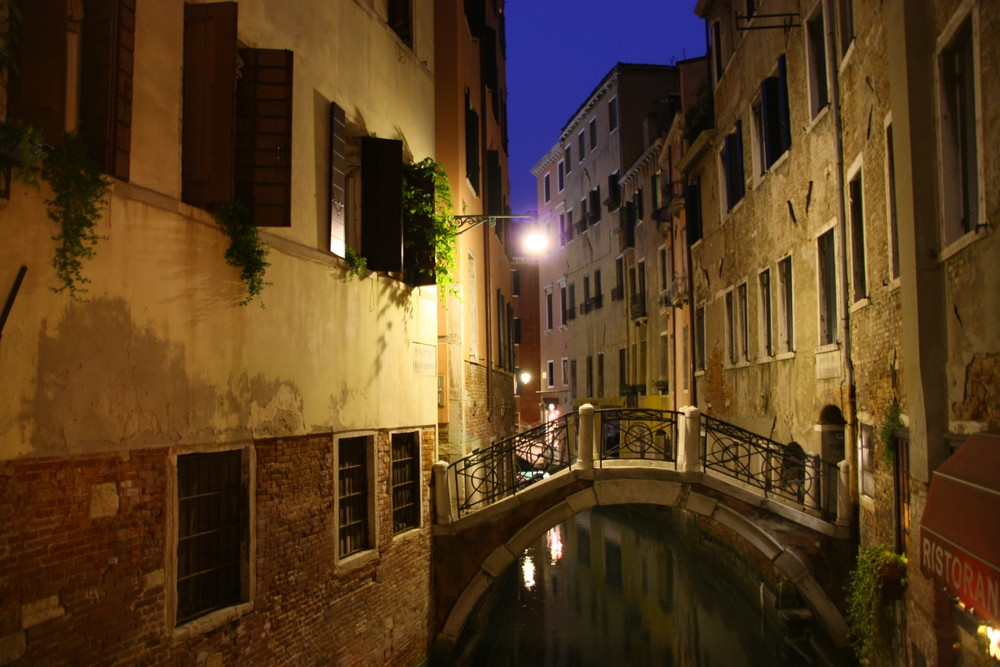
(559, 50)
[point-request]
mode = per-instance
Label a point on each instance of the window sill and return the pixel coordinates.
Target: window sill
(699, 373)
(209, 622)
(818, 118)
(858, 305)
(894, 284)
(829, 347)
(406, 535)
(867, 502)
(845, 61)
(962, 242)
(784, 355)
(738, 365)
(355, 561)
(765, 359)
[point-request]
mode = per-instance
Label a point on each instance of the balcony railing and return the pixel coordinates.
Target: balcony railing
(596, 301)
(626, 235)
(571, 313)
(618, 293)
(638, 305)
(678, 290)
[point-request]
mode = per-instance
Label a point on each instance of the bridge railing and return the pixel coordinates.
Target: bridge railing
(638, 433)
(492, 473)
(775, 469)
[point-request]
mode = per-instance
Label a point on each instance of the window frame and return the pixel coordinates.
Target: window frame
(827, 287)
(765, 308)
(816, 66)
(370, 551)
(786, 307)
(415, 483)
(560, 176)
(856, 230)
(891, 210)
(613, 114)
(743, 322)
(550, 368)
(866, 460)
(700, 335)
(593, 134)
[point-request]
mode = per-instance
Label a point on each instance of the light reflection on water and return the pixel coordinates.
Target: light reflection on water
(612, 587)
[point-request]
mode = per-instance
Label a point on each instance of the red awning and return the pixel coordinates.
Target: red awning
(960, 531)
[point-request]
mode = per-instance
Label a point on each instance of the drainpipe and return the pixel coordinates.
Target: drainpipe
(850, 437)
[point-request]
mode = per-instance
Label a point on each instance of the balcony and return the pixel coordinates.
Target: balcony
(571, 313)
(638, 306)
(678, 290)
(596, 301)
(585, 307)
(626, 236)
(618, 293)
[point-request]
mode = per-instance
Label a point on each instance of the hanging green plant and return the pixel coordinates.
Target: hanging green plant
(79, 194)
(356, 264)
(22, 146)
(876, 581)
(246, 251)
(429, 227)
(893, 422)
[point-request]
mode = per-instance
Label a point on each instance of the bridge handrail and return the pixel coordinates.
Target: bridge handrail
(638, 433)
(512, 464)
(778, 470)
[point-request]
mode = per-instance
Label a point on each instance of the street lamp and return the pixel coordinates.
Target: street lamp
(525, 377)
(535, 242)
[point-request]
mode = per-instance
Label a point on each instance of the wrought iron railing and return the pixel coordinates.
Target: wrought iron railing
(638, 305)
(638, 433)
(777, 470)
(490, 474)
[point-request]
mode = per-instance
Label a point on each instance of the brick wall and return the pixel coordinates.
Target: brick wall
(84, 574)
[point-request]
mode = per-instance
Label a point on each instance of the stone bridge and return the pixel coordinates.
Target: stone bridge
(789, 536)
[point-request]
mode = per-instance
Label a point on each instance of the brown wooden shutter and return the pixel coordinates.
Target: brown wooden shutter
(494, 183)
(37, 89)
(382, 203)
(108, 46)
(209, 102)
(264, 135)
(338, 180)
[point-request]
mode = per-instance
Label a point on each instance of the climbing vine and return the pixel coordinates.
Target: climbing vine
(870, 610)
(427, 198)
(246, 251)
(356, 264)
(893, 422)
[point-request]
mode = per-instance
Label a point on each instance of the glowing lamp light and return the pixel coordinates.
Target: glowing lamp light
(535, 242)
(525, 377)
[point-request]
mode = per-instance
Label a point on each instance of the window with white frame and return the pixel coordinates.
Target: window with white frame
(776, 127)
(561, 176)
(405, 491)
(565, 371)
(715, 49)
(354, 497)
(845, 25)
(819, 89)
(213, 532)
(569, 158)
(581, 144)
(612, 114)
(856, 212)
(548, 308)
(742, 323)
(730, 327)
(958, 92)
(764, 313)
(786, 307)
(731, 166)
(593, 133)
(826, 277)
(866, 460)
(547, 188)
(563, 304)
(550, 373)
(699, 338)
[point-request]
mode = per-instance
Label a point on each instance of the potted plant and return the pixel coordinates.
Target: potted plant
(877, 580)
(663, 386)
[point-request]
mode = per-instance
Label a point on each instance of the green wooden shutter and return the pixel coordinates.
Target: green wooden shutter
(37, 89)
(382, 203)
(338, 180)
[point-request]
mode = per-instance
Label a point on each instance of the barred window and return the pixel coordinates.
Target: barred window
(405, 481)
(354, 533)
(212, 533)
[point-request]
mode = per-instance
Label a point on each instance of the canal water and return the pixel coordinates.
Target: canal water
(618, 586)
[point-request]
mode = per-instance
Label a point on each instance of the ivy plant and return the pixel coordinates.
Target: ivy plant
(893, 422)
(356, 264)
(246, 251)
(79, 194)
(870, 613)
(427, 208)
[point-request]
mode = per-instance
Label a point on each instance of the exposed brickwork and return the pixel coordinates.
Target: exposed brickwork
(108, 574)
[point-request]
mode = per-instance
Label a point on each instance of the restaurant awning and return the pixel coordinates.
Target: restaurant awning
(960, 530)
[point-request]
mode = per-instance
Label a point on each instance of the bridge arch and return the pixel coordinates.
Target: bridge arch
(529, 515)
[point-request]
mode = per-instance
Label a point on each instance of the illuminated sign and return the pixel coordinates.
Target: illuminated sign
(973, 582)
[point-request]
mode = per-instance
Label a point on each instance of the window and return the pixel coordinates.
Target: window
(866, 460)
(581, 144)
(382, 214)
(401, 20)
(600, 375)
(731, 159)
(547, 187)
(890, 176)
(213, 532)
(598, 298)
(548, 308)
(845, 25)
(819, 90)
(618, 292)
(569, 158)
(764, 312)
(585, 306)
(786, 312)
(572, 378)
(612, 115)
(827, 277)
(593, 133)
(742, 322)
(959, 143)
(222, 158)
(590, 376)
(637, 206)
(622, 370)
(857, 227)
(564, 304)
(572, 301)
(550, 375)
(561, 178)
(353, 499)
(405, 481)
(64, 76)
(472, 147)
(665, 361)
(515, 282)
(715, 48)
(775, 125)
(692, 209)
(595, 205)
(699, 338)
(730, 328)
(664, 269)
(565, 372)
(614, 190)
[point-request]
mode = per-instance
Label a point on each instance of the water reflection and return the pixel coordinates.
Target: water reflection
(611, 587)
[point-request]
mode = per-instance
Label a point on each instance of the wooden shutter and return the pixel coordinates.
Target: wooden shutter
(729, 157)
(595, 205)
(37, 89)
(738, 165)
(494, 183)
(382, 203)
(784, 120)
(338, 180)
(264, 135)
(770, 119)
(209, 102)
(471, 145)
(108, 50)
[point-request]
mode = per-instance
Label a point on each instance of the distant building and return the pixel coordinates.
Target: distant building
(593, 282)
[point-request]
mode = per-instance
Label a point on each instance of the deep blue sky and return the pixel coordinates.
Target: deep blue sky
(559, 50)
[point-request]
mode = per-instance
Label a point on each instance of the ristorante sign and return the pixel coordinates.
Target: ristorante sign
(973, 582)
